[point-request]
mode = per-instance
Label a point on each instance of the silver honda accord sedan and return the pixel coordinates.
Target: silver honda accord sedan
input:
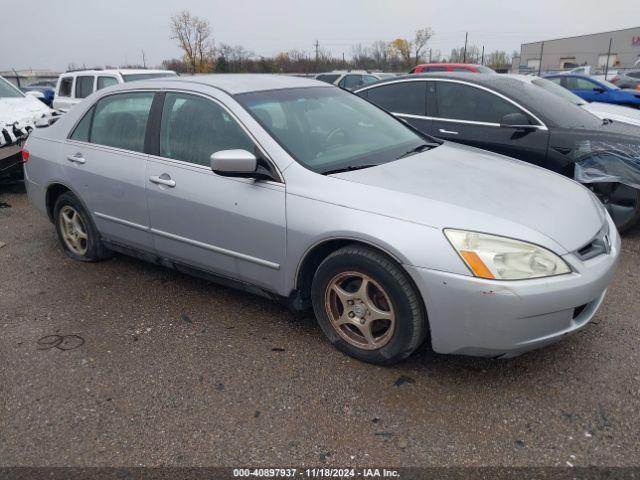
(301, 191)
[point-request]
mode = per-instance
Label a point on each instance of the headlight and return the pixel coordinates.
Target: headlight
(501, 258)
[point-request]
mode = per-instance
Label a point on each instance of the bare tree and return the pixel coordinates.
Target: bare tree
(498, 59)
(380, 54)
(472, 55)
(193, 35)
(420, 41)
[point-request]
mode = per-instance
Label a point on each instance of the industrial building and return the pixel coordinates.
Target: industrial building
(621, 47)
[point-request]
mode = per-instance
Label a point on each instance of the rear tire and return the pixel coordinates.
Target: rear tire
(76, 231)
(367, 306)
(621, 201)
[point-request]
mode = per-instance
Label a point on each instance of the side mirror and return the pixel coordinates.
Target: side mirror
(239, 163)
(517, 121)
(234, 163)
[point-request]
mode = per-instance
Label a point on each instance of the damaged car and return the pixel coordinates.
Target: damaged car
(518, 119)
(303, 192)
(19, 115)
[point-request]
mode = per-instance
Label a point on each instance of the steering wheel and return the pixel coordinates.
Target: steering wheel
(336, 138)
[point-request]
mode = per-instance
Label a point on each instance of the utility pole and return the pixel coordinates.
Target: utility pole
(540, 61)
(464, 55)
(344, 62)
(482, 61)
(606, 68)
(144, 61)
(317, 45)
(430, 51)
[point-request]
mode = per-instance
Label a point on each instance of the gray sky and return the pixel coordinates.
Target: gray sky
(52, 34)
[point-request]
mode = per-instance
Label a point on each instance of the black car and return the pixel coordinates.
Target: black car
(517, 118)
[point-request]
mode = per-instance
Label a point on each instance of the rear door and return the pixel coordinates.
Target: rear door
(105, 164)
(405, 99)
(233, 227)
(466, 113)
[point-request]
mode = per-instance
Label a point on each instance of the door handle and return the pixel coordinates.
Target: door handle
(167, 182)
(450, 132)
(77, 158)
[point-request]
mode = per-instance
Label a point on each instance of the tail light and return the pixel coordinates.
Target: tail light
(25, 156)
(638, 87)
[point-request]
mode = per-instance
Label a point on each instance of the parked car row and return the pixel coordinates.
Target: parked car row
(520, 118)
(304, 192)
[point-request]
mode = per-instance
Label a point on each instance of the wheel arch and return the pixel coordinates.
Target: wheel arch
(316, 253)
(53, 192)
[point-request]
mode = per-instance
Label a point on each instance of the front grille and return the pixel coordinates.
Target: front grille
(599, 245)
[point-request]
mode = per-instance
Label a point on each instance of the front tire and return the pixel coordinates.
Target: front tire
(76, 231)
(367, 306)
(621, 201)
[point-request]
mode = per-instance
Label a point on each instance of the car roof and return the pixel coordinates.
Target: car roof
(499, 82)
(235, 83)
(123, 71)
(463, 65)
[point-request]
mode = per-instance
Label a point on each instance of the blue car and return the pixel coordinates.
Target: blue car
(595, 90)
(47, 91)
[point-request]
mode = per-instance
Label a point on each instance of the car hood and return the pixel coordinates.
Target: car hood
(614, 112)
(26, 109)
(456, 186)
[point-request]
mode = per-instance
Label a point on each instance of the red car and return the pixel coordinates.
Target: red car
(451, 67)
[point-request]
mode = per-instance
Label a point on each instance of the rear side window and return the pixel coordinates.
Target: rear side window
(65, 87)
(83, 128)
(351, 82)
(84, 87)
(327, 78)
(194, 127)
(634, 74)
(435, 69)
(104, 82)
(404, 97)
(121, 121)
(463, 102)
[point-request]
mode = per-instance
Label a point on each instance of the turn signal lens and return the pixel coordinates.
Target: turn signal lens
(25, 156)
(502, 258)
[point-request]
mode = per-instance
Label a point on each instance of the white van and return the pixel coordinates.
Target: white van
(72, 87)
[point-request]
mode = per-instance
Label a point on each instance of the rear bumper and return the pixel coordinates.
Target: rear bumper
(472, 316)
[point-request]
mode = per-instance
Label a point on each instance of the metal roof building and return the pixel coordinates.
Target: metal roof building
(592, 49)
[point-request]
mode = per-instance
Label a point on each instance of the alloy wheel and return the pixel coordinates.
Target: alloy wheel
(74, 232)
(360, 310)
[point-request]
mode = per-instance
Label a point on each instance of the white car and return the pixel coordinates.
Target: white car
(19, 114)
(72, 87)
(617, 113)
(351, 79)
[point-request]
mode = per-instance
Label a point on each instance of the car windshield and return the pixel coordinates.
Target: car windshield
(558, 91)
(327, 129)
(132, 77)
(9, 91)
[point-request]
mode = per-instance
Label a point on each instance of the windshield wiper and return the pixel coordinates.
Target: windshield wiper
(349, 168)
(420, 148)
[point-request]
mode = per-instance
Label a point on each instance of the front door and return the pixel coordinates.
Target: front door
(467, 114)
(105, 162)
(227, 226)
(406, 100)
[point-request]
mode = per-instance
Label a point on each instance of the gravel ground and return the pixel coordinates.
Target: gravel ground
(177, 371)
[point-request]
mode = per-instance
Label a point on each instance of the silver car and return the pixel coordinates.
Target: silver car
(301, 191)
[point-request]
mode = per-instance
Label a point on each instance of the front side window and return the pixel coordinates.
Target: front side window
(464, 102)
(403, 97)
(194, 127)
(351, 82)
(9, 91)
(576, 83)
(84, 87)
(65, 87)
(104, 82)
(121, 120)
(327, 128)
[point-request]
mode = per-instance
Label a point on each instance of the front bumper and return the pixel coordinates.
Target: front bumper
(11, 162)
(473, 316)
